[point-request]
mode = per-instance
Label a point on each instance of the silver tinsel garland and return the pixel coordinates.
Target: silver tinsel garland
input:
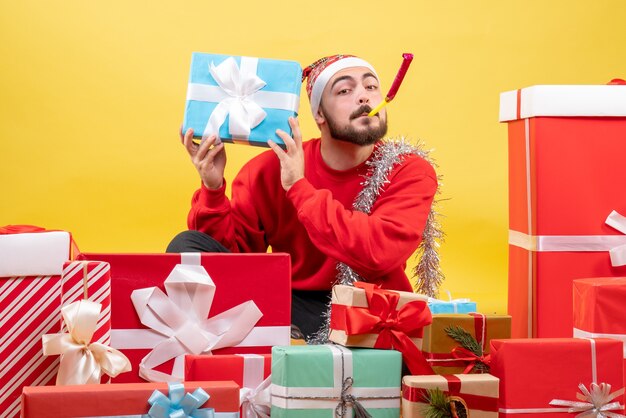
(427, 271)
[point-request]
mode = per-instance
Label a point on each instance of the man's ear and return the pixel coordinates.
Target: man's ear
(319, 117)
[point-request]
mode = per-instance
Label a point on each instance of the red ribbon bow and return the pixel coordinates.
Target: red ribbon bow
(394, 327)
(463, 354)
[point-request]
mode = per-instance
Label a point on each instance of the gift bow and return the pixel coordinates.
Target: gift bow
(239, 83)
(463, 354)
(179, 404)
(181, 317)
(394, 326)
(83, 362)
(617, 254)
(256, 403)
(595, 402)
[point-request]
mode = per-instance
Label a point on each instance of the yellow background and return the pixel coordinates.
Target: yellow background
(92, 96)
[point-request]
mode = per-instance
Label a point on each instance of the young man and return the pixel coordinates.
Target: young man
(300, 201)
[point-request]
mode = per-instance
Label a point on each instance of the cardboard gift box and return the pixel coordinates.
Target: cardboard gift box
(364, 315)
(225, 285)
(565, 148)
(250, 371)
(125, 399)
(320, 380)
(599, 309)
(545, 377)
(31, 264)
(243, 99)
(448, 356)
(478, 393)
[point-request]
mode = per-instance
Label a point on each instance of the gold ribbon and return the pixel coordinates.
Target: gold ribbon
(594, 403)
(83, 362)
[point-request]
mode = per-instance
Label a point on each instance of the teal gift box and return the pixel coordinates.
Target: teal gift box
(324, 381)
(242, 99)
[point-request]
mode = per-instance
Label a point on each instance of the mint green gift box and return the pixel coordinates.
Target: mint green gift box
(307, 381)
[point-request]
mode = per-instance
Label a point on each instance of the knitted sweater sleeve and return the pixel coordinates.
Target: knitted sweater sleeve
(377, 243)
(235, 224)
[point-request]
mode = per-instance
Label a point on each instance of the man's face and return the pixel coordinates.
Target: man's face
(347, 99)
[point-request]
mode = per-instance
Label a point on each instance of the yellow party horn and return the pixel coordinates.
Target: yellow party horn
(407, 58)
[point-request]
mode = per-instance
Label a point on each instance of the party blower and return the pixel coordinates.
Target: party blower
(407, 58)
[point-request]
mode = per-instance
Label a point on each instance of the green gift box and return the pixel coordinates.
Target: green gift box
(324, 381)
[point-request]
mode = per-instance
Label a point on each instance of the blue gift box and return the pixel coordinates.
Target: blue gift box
(243, 99)
(461, 306)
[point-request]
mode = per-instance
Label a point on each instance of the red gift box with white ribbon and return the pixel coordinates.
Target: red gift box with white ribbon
(553, 377)
(250, 371)
(599, 309)
(165, 306)
(565, 168)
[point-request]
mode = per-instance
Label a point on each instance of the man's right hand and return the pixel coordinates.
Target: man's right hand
(209, 159)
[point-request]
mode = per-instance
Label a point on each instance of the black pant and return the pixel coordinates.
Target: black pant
(307, 307)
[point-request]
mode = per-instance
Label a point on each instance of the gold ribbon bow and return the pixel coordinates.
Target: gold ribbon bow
(595, 402)
(83, 362)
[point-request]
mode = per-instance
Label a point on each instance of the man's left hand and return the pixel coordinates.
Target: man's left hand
(291, 161)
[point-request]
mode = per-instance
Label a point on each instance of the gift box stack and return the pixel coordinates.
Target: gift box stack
(564, 143)
(93, 319)
(23, 279)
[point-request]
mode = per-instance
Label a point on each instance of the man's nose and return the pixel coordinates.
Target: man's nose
(364, 97)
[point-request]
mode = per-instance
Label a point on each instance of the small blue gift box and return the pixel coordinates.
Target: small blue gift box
(461, 306)
(242, 99)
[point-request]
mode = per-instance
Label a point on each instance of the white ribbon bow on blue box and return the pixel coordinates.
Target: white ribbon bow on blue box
(241, 99)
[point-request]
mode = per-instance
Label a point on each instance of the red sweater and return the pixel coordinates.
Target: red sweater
(315, 222)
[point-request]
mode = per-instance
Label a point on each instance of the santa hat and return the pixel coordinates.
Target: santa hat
(321, 71)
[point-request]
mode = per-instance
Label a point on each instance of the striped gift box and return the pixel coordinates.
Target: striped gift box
(29, 308)
(30, 302)
(89, 280)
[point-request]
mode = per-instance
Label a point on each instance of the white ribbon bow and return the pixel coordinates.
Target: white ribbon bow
(256, 403)
(239, 84)
(181, 317)
(617, 254)
(595, 402)
(83, 362)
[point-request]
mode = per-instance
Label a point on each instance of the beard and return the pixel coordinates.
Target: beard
(368, 136)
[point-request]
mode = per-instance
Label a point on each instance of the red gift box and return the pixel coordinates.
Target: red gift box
(30, 302)
(535, 372)
(249, 371)
(565, 149)
(599, 309)
(261, 278)
(118, 399)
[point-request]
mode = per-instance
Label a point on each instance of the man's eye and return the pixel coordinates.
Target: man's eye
(372, 87)
(343, 91)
